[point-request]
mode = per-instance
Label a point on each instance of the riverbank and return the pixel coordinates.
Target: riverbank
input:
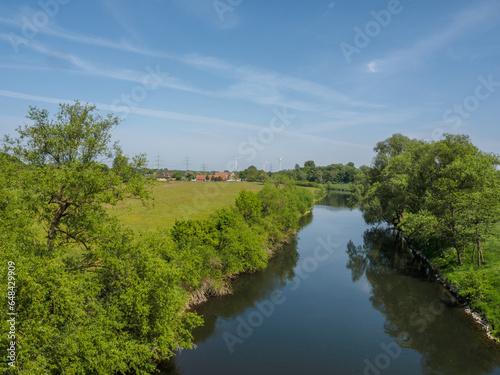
(207, 289)
(369, 295)
(476, 288)
(236, 240)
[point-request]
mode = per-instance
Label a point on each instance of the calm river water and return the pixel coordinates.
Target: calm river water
(341, 299)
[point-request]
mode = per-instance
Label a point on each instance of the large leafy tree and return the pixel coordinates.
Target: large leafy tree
(66, 178)
(463, 195)
(393, 185)
(90, 297)
(444, 191)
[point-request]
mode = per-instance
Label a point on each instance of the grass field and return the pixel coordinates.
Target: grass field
(349, 187)
(179, 201)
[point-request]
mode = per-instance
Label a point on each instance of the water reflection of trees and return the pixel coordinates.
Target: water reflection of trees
(418, 313)
(335, 199)
(247, 290)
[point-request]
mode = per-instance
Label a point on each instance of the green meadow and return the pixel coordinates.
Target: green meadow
(179, 200)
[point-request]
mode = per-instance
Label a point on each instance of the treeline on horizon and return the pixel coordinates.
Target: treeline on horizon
(444, 196)
(309, 175)
(93, 297)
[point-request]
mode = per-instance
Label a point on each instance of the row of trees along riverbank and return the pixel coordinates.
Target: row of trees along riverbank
(91, 296)
(445, 197)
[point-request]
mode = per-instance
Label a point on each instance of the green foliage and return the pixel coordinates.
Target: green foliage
(195, 232)
(471, 284)
(114, 312)
(249, 205)
(309, 175)
(91, 296)
(177, 175)
(446, 190)
(445, 197)
(310, 164)
(241, 248)
(65, 185)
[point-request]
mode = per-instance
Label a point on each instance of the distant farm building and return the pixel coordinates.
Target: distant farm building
(218, 176)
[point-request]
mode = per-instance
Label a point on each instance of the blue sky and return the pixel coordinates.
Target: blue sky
(258, 80)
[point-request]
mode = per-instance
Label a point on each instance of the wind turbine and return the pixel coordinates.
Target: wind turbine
(280, 159)
(264, 165)
(236, 162)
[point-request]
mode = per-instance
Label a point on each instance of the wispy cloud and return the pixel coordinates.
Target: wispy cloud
(188, 118)
(115, 8)
(329, 8)
(249, 82)
(422, 49)
(138, 111)
(372, 67)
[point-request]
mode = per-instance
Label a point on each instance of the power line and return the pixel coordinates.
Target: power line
(158, 162)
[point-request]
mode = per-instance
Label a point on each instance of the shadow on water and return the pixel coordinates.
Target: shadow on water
(335, 199)
(332, 322)
(419, 315)
(246, 289)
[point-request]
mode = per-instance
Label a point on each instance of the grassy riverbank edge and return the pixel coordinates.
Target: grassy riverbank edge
(206, 290)
(479, 297)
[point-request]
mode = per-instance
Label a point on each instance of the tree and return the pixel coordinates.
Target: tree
(249, 205)
(177, 175)
(445, 190)
(463, 194)
(249, 174)
(392, 180)
(116, 306)
(66, 182)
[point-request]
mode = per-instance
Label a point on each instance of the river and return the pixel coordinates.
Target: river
(341, 299)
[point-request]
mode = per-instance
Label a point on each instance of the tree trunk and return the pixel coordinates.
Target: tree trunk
(399, 238)
(459, 258)
(480, 258)
(55, 221)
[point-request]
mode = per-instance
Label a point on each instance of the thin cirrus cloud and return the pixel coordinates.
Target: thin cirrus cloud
(260, 94)
(188, 118)
(463, 22)
(250, 81)
(138, 111)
